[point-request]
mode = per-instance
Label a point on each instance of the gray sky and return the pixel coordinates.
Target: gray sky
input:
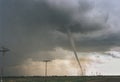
(34, 30)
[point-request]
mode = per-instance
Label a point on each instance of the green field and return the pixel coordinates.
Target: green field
(63, 79)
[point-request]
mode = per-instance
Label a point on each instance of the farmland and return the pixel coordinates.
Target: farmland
(63, 79)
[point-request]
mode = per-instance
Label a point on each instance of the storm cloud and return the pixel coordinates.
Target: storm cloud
(31, 22)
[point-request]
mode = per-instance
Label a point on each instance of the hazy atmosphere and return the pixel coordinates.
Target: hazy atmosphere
(35, 30)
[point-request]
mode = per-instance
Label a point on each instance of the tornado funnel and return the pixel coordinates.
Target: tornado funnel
(74, 49)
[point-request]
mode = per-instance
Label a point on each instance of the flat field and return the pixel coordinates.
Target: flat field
(63, 79)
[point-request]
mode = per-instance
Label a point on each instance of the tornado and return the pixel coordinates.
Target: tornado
(74, 48)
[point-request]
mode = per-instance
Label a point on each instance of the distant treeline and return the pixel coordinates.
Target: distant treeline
(62, 79)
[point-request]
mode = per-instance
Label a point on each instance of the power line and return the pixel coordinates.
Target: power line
(46, 66)
(3, 51)
(46, 70)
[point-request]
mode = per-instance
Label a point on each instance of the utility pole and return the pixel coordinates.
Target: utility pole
(46, 70)
(46, 66)
(3, 50)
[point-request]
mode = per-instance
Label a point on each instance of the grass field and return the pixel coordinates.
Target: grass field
(64, 79)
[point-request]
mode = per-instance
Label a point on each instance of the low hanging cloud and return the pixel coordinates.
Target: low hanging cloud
(113, 54)
(55, 67)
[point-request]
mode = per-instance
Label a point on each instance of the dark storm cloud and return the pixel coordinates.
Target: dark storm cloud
(83, 27)
(32, 15)
(31, 23)
(39, 14)
(102, 43)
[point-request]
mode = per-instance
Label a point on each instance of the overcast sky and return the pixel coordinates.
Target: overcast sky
(35, 30)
